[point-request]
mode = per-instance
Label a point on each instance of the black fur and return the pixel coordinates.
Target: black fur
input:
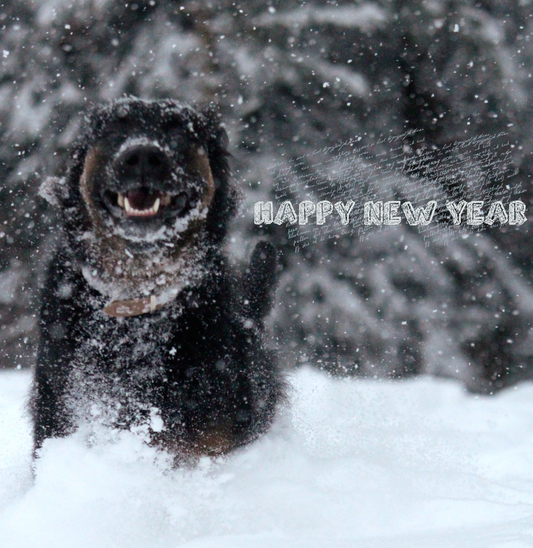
(198, 362)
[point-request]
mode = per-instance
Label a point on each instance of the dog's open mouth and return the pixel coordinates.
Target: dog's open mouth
(143, 203)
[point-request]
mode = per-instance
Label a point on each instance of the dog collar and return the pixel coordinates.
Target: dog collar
(133, 307)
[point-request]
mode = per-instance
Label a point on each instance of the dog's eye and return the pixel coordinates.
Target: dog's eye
(172, 125)
(118, 129)
(197, 161)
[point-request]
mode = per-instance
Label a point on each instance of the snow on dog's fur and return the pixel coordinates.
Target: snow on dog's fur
(143, 325)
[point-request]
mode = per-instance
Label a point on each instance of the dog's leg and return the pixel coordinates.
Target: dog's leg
(47, 406)
(260, 281)
(54, 361)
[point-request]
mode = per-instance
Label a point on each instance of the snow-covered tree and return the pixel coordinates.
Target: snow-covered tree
(291, 77)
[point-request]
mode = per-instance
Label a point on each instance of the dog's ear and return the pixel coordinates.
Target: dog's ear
(54, 190)
(216, 136)
(260, 281)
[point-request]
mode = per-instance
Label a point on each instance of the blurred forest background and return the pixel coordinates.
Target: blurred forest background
(290, 77)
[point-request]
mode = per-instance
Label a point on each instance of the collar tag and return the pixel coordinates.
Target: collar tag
(135, 307)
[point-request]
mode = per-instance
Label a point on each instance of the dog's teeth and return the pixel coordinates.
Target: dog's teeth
(141, 212)
(166, 199)
(120, 200)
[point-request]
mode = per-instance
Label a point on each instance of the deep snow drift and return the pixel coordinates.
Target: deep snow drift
(351, 463)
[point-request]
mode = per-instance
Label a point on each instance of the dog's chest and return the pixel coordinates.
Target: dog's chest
(116, 344)
(121, 368)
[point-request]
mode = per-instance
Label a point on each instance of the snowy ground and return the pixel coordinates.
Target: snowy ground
(352, 464)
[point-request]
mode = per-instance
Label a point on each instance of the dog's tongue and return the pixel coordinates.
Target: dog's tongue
(141, 198)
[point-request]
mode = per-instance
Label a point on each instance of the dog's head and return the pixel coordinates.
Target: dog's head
(149, 170)
(148, 180)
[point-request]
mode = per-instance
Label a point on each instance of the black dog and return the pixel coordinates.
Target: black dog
(142, 322)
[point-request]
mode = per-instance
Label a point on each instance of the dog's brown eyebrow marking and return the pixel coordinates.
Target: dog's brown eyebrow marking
(197, 160)
(93, 161)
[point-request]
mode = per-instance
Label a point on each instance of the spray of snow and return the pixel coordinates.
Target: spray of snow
(349, 464)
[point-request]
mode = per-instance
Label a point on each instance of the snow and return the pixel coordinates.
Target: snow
(364, 17)
(348, 463)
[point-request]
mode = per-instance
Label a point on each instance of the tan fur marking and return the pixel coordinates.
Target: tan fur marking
(214, 442)
(198, 161)
(92, 163)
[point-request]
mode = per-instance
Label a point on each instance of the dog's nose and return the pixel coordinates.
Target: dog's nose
(143, 164)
